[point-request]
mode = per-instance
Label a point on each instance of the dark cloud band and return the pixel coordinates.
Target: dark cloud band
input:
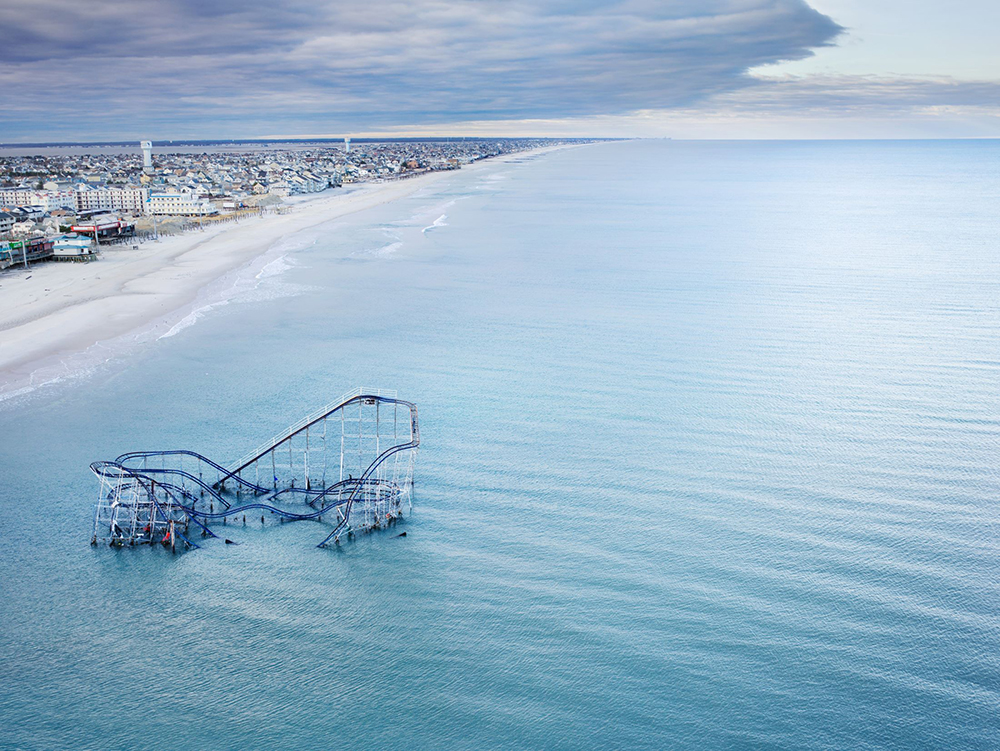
(324, 66)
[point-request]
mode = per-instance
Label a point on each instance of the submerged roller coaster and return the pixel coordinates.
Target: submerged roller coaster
(350, 463)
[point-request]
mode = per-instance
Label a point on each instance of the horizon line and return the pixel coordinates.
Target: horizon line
(430, 139)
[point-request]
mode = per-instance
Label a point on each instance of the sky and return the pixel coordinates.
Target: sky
(162, 69)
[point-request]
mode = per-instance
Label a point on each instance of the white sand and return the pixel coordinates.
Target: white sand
(55, 309)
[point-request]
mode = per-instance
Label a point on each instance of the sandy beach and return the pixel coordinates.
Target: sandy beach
(52, 310)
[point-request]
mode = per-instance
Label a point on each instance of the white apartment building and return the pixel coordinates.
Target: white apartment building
(46, 199)
(180, 204)
(126, 200)
(57, 199)
(92, 199)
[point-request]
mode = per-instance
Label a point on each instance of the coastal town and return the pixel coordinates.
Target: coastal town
(69, 206)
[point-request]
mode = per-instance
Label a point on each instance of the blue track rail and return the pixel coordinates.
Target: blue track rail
(167, 487)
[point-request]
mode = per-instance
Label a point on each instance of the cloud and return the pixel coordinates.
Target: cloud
(841, 106)
(217, 68)
(847, 95)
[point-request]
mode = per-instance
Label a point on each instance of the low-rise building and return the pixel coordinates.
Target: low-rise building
(30, 249)
(180, 204)
(72, 245)
(280, 188)
(21, 229)
(7, 258)
(21, 213)
(105, 225)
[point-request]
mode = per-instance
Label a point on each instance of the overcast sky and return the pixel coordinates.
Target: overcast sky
(109, 70)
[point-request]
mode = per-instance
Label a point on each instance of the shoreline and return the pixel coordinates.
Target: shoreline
(51, 313)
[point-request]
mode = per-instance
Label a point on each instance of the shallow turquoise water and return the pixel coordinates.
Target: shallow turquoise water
(710, 439)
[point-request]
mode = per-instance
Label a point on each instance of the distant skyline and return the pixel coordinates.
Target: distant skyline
(686, 69)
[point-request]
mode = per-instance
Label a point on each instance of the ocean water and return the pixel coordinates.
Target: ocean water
(710, 460)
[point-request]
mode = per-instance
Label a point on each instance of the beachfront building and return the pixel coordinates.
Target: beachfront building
(89, 198)
(126, 200)
(180, 203)
(73, 245)
(6, 223)
(30, 249)
(105, 225)
(44, 199)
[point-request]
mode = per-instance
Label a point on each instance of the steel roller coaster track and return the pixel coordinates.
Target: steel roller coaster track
(371, 436)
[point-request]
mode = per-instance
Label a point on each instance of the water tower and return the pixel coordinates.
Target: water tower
(147, 156)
